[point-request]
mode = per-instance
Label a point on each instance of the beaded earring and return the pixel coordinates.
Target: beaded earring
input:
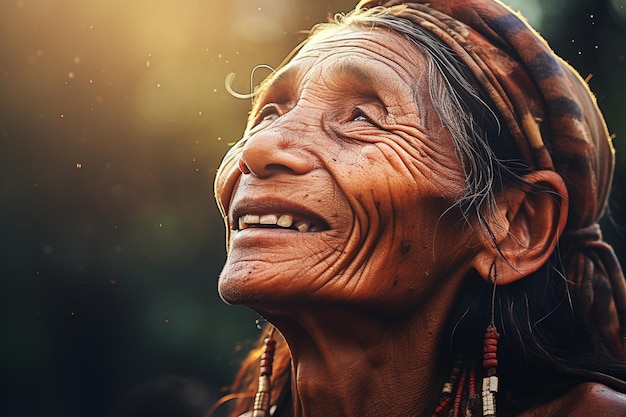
(490, 356)
(458, 396)
(262, 398)
(490, 380)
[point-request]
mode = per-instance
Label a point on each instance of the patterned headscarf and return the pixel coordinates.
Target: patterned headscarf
(556, 125)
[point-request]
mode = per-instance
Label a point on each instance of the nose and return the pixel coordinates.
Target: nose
(267, 153)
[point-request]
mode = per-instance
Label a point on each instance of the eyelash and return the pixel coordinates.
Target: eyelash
(267, 111)
(357, 114)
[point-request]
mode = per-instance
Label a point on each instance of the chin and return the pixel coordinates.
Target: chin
(233, 288)
(249, 286)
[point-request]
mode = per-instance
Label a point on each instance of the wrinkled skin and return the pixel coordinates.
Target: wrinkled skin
(342, 137)
(345, 138)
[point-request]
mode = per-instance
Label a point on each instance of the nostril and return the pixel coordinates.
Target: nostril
(243, 167)
(279, 167)
(268, 153)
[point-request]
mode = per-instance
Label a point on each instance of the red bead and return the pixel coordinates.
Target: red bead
(490, 363)
(490, 342)
(267, 357)
(472, 382)
(490, 348)
(443, 405)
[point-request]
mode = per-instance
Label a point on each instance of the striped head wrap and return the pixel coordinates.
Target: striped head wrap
(556, 125)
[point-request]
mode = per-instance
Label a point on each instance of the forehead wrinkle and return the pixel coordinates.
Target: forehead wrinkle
(351, 56)
(347, 67)
(401, 57)
(363, 73)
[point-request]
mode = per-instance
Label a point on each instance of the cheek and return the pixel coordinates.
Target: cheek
(397, 190)
(227, 176)
(431, 158)
(405, 177)
(397, 196)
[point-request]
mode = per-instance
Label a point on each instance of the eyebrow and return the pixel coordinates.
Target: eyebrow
(281, 80)
(353, 71)
(359, 78)
(344, 68)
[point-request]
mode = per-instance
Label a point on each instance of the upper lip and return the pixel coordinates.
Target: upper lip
(276, 206)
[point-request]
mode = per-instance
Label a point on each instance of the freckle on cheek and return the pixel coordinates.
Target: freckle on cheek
(405, 246)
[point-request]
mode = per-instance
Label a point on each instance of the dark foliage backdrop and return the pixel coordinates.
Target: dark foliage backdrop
(113, 119)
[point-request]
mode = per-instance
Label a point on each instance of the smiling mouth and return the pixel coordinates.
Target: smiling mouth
(280, 221)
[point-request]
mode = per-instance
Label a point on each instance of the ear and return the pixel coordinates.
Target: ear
(530, 221)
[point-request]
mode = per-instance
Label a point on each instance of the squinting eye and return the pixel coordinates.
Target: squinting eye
(268, 113)
(359, 116)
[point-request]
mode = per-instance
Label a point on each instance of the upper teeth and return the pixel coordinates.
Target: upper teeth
(282, 220)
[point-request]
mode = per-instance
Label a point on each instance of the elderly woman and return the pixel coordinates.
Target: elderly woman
(413, 209)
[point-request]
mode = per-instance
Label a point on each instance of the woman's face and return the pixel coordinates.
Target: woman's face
(337, 193)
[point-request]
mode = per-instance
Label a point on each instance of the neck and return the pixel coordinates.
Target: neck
(358, 364)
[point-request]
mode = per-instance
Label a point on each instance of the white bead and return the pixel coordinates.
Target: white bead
(493, 383)
(486, 384)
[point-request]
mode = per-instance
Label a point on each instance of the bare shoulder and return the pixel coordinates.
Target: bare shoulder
(595, 399)
(589, 399)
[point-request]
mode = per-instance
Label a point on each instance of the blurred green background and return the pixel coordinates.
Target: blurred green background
(113, 120)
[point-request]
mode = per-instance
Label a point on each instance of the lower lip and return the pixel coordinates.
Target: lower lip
(252, 234)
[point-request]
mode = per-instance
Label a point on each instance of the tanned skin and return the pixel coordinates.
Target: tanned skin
(339, 141)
